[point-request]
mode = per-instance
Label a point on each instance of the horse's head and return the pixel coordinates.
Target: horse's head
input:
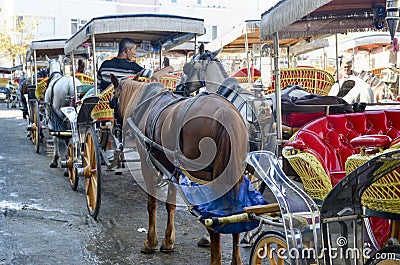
(125, 94)
(198, 71)
(55, 65)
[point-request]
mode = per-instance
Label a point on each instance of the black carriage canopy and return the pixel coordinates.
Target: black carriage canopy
(153, 31)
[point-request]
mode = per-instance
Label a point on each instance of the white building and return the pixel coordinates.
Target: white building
(62, 18)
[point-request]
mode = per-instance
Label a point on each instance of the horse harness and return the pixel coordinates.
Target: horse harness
(165, 100)
(205, 59)
(52, 76)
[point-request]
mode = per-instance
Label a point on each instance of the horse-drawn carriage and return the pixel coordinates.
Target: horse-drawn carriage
(35, 87)
(9, 86)
(92, 121)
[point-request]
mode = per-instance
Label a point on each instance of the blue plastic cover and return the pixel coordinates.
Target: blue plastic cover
(228, 204)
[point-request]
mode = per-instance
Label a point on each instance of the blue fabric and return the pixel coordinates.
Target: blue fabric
(229, 204)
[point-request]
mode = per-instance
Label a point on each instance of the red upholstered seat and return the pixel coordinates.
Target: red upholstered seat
(319, 150)
(333, 138)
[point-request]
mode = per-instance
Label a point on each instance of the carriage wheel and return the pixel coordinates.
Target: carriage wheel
(386, 256)
(72, 170)
(92, 172)
(269, 248)
(35, 128)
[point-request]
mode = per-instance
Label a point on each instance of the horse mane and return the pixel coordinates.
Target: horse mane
(131, 93)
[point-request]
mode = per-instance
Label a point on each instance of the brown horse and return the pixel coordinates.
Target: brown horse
(206, 137)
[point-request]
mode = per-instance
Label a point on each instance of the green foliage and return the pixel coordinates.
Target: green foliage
(15, 42)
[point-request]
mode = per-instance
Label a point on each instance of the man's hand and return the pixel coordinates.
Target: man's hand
(162, 72)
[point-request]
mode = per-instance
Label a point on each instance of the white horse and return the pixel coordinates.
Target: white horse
(205, 70)
(352, 90)
(58, 90)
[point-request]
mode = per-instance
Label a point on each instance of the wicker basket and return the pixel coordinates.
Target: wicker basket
(245, 79)
(377, 71)
(102, 110)
(384, 194)
(85, 79)
(315, 81)
(41, 88)
(315, 179)
(168, 82)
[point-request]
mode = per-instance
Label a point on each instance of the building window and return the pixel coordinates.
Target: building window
(199, 2)
(173, 1)
(47, 26)
(77, 24)
(40, 25)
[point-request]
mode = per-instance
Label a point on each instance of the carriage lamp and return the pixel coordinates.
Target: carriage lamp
(392, 18)
(259, 113)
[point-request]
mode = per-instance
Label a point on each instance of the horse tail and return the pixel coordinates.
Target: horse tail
(231, 138)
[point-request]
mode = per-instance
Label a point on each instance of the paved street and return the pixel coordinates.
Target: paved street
(43, 221)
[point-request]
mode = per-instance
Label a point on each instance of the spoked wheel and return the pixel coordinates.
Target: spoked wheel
(269, 248)
(92, 172)
(36, 127)
(386, 256)
(72, 170)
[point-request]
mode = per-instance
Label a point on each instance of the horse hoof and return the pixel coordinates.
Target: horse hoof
(147, 251)
(204, 242)
(52, 165)
(166, 250)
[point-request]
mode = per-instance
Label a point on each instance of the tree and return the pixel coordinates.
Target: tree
(15, 42)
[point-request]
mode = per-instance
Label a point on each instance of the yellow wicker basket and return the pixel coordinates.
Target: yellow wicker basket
(245, 79)
(315, 179)
(384, 194)
(315, 81)
(85, 79)
(41, 88)
(168, 82)
(102, 110)
(377, 71)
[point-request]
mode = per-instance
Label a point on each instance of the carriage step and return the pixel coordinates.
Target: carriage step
(49, 143)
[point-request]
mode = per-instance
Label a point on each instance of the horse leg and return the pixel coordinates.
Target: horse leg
(169, 238)
(236, 260)
(56, 154)
(150, 244)
(216, 253)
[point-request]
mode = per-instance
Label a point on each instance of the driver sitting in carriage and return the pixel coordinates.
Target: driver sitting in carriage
(121, 66)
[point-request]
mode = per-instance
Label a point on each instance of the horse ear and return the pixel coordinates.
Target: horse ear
(114, 80)
(215, 53)
(201, 48)
(60, 59)
(47, 59)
